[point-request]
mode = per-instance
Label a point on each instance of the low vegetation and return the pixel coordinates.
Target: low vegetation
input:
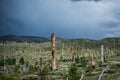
(31, 60)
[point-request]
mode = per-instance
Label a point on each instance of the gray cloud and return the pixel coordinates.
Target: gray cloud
(11, 26)
(111, 28)
(110, 24)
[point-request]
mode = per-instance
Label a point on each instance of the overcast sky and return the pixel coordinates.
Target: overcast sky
(67, 18)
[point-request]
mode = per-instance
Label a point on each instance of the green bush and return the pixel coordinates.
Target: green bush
(22, 61)
(31, 68)
(8, 61)
(73, 73)
(17, 69)
(111, 71)
(83, 61)
(77, 59)
(11, 61)
(2, 62)
(9, 77)
(43, 74)
(31, 78)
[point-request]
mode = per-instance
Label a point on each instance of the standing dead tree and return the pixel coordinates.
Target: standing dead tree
(53, 63)
(102, 55)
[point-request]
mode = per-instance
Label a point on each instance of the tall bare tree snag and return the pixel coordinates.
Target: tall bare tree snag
(53, 64)
(102, 54)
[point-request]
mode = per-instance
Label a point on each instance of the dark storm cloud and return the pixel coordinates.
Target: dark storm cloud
(83, 18)
(110, 24)
(10, 18)
(85, 0)
(11, 26)
(8, 24)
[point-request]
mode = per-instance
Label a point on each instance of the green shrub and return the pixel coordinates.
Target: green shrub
(43, 74)
(77, 59)
(17, 69)
(31, 78)
(1, 62)
(9, 77)
(73, 73)
(83, 61)
(61, 57)
(31, 68)
(22, 61)
(111, 71)
(11, 61)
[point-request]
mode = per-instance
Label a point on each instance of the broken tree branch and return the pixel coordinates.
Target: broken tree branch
(100, 76)
(82, 77)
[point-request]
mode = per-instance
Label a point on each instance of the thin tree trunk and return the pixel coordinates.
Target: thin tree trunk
(102, 54)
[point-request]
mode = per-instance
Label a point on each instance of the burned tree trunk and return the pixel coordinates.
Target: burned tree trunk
(53, 64)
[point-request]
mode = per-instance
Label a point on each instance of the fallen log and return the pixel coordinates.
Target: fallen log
(100, 76)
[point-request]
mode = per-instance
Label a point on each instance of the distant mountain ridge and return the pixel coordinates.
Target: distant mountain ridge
(44, 39)
(23, 38)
